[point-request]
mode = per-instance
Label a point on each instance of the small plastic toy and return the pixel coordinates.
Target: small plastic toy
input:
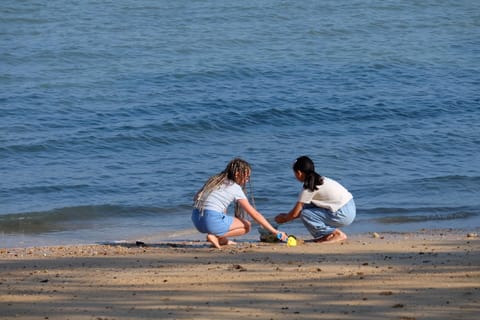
(291, 241)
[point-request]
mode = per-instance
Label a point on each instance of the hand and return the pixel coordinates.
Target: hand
(284, 236)
(281, 218)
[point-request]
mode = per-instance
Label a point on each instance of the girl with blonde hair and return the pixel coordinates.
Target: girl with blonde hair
(212, 200)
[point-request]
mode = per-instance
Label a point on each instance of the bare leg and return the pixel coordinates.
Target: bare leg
(213, 239)
(239, 227)
(335, 236)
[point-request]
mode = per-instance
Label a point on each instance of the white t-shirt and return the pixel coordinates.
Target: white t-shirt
(220, 199)
(330, 195)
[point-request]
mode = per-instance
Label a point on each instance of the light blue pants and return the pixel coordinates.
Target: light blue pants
(321, 222)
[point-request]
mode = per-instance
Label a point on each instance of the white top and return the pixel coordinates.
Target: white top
(219, 199)
(330, 195)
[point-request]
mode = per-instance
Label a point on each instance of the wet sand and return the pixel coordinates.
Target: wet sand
(425, 275)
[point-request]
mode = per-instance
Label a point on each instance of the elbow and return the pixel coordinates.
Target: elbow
(294, 216)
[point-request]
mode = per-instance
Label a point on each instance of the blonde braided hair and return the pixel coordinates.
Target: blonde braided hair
(237, 170)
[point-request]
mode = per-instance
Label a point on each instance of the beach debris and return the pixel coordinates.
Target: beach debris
(140, 244)
(376, 235)
(267, 236)
(238, 267)
(472, 235)
(270, 238)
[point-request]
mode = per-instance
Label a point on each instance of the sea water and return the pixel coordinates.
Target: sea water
(114, 113)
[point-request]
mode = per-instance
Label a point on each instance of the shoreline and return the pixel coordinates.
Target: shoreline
(192, 235)
(421, 275)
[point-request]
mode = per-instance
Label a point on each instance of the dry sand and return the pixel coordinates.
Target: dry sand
(426, 275)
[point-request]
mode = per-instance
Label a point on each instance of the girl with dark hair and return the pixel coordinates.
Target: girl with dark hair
(212, 200)
(323, 205)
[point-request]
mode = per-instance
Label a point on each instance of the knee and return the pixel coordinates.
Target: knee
(248, 226)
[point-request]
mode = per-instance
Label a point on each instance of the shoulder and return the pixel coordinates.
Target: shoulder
(233, 186)
(306, 192)
(328, 181)
(325, 179)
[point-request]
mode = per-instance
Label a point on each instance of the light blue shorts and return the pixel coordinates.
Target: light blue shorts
(212, 222)
(321, 222)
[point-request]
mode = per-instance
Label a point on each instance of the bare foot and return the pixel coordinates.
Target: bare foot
(335, 236)
(225, 242)
(214, 241)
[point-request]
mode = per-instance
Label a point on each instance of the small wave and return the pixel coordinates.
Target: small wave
(422, 218)
(453, 178)
(422, 214)
(468, 185)
(77, 217)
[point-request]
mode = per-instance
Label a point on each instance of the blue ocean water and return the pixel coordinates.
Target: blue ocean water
(114, 113)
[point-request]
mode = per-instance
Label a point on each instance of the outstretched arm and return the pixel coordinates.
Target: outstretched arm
(293, 214)
(258, 217)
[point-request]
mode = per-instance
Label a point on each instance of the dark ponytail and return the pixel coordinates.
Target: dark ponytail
(306, 166)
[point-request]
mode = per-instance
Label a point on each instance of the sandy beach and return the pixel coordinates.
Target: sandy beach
(425, 275)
